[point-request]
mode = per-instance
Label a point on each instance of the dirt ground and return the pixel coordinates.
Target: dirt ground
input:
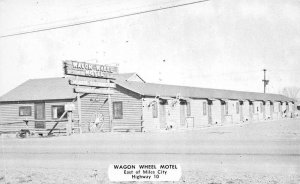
(265, 152)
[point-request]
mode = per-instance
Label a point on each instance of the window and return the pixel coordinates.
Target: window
(188, 109)
(287, 107)
(154, 109)
(25, 111)
(226, 108)
(58, 111)
(237, 107)
(117, 110)
(204, 108)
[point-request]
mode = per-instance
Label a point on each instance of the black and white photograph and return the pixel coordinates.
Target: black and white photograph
(150, 91)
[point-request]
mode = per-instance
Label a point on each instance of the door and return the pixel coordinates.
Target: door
(209, 113)
(162, 115)
(241, 105)
(182, 113)
(39, 114)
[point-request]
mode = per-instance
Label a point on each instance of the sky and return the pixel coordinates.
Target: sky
(223, 44)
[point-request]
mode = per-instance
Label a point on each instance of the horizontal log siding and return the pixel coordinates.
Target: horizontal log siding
(9, 113)
(48, 115)
(132, 109)
(92, 104)
(200, 120)
(150, 123)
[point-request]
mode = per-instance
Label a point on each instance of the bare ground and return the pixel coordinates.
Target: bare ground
(266, 152)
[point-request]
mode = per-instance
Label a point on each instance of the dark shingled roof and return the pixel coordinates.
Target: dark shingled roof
(41, 89)
(151, 89)
(59, 88)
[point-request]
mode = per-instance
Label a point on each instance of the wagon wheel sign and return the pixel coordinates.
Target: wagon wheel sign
(97, 122)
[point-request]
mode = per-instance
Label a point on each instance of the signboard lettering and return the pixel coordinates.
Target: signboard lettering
(89, 69)
(92, 90)
(92, 83)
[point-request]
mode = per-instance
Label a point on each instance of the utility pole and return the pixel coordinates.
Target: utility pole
(266, 82)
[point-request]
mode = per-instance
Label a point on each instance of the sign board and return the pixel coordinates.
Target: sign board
(91, 90)
(89, 69)
(92, 83)
(69, 107)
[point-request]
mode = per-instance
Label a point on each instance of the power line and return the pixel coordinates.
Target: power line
(49, 24)
(102, 19)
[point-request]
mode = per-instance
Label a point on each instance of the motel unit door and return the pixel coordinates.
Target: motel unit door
(241, 105)
(209, 113)
(39, 114)
(182, 113)
(162, 114)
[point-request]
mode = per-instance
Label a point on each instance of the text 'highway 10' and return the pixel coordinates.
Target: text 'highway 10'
(144, 172)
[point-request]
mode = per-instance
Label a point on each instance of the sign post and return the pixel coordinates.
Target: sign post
(88, 84)
(110, 111)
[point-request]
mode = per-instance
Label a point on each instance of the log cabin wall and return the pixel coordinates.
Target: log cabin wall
(12, 120)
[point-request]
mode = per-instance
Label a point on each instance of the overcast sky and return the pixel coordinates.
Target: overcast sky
(216, 44)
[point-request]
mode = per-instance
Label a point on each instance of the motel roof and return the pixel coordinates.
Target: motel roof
(59, 88)
(47, 89)
(41, 89)
(152, 89)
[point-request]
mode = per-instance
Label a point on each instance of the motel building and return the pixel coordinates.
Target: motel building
(96, 98)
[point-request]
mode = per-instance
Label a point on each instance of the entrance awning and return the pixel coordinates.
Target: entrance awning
(212, 99)
(185, 99)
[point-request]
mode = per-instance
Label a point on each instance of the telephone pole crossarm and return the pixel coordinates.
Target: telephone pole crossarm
(265, 81)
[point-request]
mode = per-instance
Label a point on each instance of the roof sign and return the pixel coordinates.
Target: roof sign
(92, 83)
(89, 69)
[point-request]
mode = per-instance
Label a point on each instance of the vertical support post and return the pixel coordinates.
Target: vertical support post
(79, 109)
(69, 124)
(110, 109)
(264, 103)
